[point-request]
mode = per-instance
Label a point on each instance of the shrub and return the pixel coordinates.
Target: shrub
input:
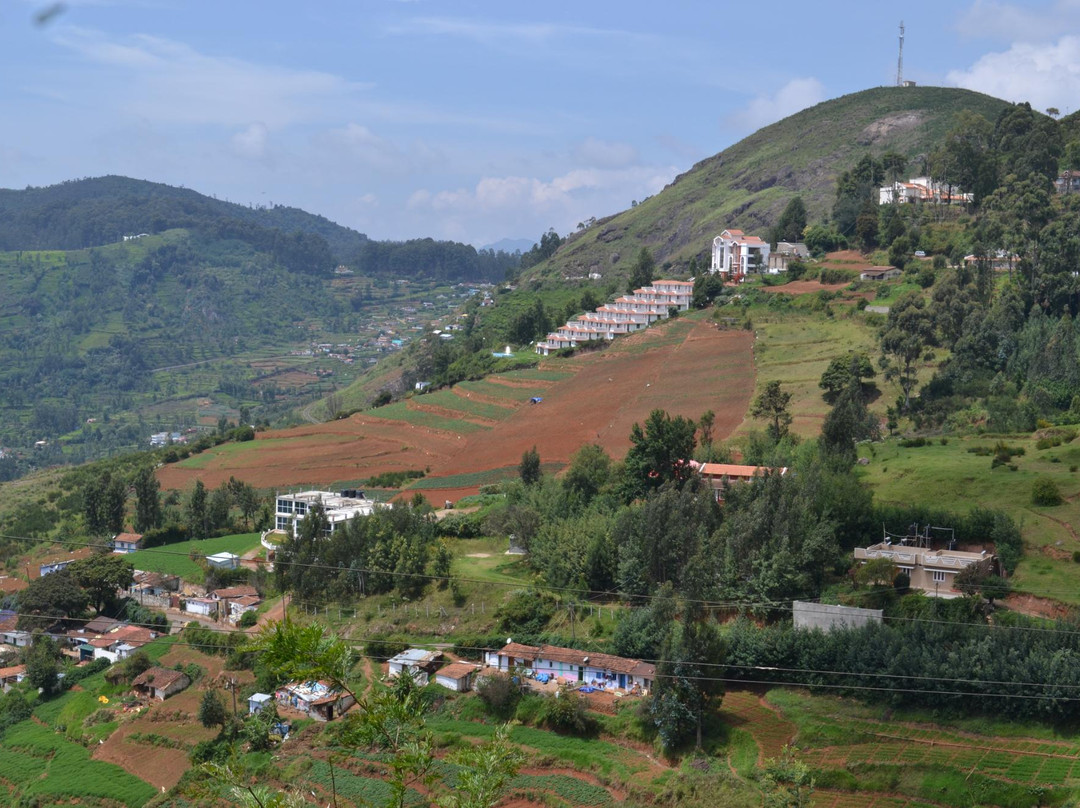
(500, 694)
(527, 612)
(565, 712)
(248, 619)
(382, 648)
(1044, 491)
(913, 443)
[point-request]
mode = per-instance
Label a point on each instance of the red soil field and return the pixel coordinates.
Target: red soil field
(609, 391)
(804, 287)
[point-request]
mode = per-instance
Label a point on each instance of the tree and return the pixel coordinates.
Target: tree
(49, 597)
(198, 518)
(217, 509)
(588, 473)
(529, 468)
(792, 222)
(102, 576)
(42, 660)
(103, 505)
(212, 710)
(641, 273)
(147, 500)
(705, 426)
(848, 422)
(908, 330)
(772, 405)
(843, 369)
(687, 684)
(980, 579)
(660, 453)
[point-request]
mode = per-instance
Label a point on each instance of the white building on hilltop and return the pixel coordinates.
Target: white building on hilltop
(339, 508)
(735, 255)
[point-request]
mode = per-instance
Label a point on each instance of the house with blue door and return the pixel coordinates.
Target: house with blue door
(571, 665)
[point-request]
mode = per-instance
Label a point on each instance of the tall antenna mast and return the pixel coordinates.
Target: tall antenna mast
(900, 59)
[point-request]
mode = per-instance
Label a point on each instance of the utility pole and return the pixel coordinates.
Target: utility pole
(900, 59)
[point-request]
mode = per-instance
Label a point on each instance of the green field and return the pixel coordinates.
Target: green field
(36, 761)
(950, 477)
(486, 477)
(400, 411)
(448, 400)
(493, 389)
(175, 559)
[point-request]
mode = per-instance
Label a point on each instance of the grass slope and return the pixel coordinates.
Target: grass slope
(748, 184)
(175, 559)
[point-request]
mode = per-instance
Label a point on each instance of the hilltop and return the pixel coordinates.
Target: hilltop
(747, 185)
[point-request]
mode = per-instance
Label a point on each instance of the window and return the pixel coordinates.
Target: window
(939, 576)
(284, 506)
(283, 523)
(301, 508)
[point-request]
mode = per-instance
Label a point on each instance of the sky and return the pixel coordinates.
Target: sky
(472, 121)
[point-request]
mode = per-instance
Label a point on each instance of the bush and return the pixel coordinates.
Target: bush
(526, 612)
(565, 712)
(500, 694)
(248, 619)
(913, 443)
(1044, 491)
(382, 648)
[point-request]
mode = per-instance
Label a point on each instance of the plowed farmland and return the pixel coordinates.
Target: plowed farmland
(686, 367)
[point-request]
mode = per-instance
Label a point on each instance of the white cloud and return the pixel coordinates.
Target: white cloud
(496, 206)
(797, 94)
(1045, 75)
(499, 33)
(1013, 23)
(598, 153)
(251, 142)
(170, 82)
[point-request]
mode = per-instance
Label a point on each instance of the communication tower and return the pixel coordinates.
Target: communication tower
(900, 59)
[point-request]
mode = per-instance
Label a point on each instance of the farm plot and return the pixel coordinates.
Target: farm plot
(463, 406)
(38, 762)
(491, 388)
(410, 414)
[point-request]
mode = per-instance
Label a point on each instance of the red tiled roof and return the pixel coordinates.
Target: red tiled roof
(158, 678)
(15, 670)
(732, 470)
(516, 649)
(130, 538)
(457, 670)
(234, 592)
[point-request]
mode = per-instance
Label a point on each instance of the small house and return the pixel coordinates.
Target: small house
(318, 699)
(224, 561)
(202, 606)
(257, 701)
(10, 677)
(456, 676)
(420, 664)
(880, 274)
(127, 542)
(159, 683)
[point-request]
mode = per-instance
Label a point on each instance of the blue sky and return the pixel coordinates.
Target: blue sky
(470, 120)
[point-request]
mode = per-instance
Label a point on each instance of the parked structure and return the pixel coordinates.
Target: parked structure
(159, 683)
(57, 563)
(127, 542)
(457, 676)
(420, 663)
(257, 701)
(735, 255)
(570, 665)
(624, 315)
(1067, 182)
(930, 570)
(720, 476)
(318, 699)
(339, 508)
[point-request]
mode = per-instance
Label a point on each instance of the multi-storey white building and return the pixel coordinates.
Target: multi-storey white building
(339, 508)
(623, 316)
(735, 255)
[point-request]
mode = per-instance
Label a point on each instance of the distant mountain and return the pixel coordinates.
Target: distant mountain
(95, 212)
(747, 185)
(511, 245)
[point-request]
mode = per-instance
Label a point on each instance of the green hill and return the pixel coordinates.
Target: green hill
(748, 185)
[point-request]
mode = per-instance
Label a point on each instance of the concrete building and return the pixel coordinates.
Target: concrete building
(457, 676)
(257, 701)
(720, 476)
(224, 561)
(735, 255)
(318, 699)
(880, 274)
(570, 665)
(339, 508)
(127, 542)
(624, 315)
(932, 571)
(420, 663)
(828, 617)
